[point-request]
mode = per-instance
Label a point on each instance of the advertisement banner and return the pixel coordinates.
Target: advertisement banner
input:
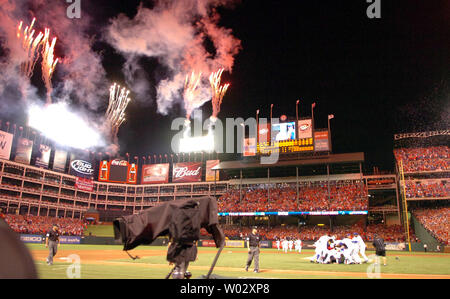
(84, 184)
(31, 238)
(283, 131)
(304, 129)
(69, 239)
(266, 244)
(321, 143)
(24, 150)
(117, 171)
(187, 172)
(59, 161)
(234, 243)
(208, 243)
(38, 239)
(155, 174)
(6, 140)
(395, 246)
(43, 158)
(264, 133)
(210, 174)
(249, 147)
(81, 168)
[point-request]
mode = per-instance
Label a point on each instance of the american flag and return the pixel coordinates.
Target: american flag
(331, 116)
(313, 105)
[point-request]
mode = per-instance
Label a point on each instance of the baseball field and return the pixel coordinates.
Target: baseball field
(109, 261)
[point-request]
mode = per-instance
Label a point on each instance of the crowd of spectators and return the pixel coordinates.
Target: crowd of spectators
(390, 233)
(434, 158)
(436, 221)
(317, 196)
(29, 224)
(427, 189)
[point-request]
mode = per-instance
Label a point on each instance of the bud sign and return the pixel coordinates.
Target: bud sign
(187, 172)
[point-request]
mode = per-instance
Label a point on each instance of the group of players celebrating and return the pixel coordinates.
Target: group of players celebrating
(328, 250)
(288, 244)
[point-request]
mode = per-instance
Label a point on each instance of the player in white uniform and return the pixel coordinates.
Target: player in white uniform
(278, 244)
(291, 244)
(320, 246)
(284, 244)
(298, 245)
(361, 246)
(351, 255)
(330, 253)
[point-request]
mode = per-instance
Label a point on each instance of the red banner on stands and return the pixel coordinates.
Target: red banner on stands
(187, 172)
(84, 184)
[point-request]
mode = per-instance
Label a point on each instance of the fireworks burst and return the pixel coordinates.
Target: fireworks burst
(115, 114)
(48, 63)
(191, 93)
(31, 46)
(218, 92)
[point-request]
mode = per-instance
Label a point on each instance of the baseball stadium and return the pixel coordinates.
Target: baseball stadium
(84, 194)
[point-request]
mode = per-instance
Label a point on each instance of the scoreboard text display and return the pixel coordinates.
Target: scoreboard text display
(286, 147)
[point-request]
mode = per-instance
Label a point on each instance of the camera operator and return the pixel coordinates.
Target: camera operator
(181, 255)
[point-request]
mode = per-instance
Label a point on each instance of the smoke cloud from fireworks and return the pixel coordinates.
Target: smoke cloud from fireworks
(175, 32)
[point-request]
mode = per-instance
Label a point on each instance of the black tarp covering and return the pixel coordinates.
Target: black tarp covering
(143, 228)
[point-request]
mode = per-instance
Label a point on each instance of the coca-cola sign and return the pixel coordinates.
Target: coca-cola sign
(187, 172)
(119, 163)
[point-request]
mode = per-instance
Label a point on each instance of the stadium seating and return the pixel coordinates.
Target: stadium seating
(435, 158)
(392, 233)
(40, 224)
(436, 221)
(427, 189)
(343, 196)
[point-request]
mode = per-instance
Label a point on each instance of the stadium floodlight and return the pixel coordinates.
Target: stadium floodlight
(197, 144)
(63, 126)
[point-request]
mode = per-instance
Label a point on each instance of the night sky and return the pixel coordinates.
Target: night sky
(377, 76)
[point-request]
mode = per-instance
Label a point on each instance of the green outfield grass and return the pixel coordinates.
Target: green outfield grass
(273, 264)
(99, 230)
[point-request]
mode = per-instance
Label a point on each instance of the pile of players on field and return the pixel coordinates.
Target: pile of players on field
(329, 250)
(345, 251)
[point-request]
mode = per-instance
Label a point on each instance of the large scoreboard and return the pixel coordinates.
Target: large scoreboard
(287, 138)
(286, 147)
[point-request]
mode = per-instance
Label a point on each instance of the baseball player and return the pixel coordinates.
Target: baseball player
(285, 245)
(349, 253)
(331, 255)
(320, 246)
(291, 244)
(278, 244)
(298, 245)
(361, 246)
